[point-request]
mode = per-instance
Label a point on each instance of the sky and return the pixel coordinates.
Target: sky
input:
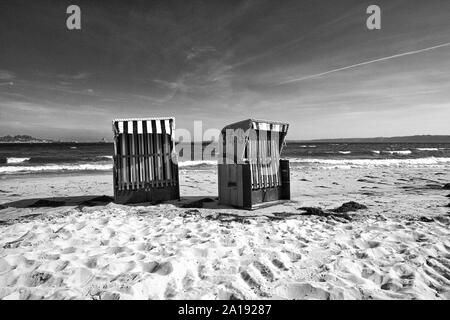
(311, 63)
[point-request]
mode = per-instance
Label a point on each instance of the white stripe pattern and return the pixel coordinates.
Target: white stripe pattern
(130, 126)
(168, 126)
(269, 127)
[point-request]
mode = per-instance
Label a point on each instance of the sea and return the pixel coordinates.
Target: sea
(54, 158)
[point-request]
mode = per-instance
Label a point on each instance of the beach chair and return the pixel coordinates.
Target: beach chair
(145, 164)
(250, 171)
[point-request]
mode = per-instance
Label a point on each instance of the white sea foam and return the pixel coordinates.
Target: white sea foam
(376, 151)
(428, 149)
(83, 167)
(55, 168)
(355, 163)
(16, 160)
(401, 152)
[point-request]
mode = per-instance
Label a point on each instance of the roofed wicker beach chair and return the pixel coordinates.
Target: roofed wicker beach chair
(251, 173)
(145, 163)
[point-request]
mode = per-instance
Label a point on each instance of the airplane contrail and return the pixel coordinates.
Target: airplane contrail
(364, 63)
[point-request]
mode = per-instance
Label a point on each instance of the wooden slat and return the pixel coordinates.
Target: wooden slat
(171, 151)
(158, 159)
(264, 158)
(136, 153)
(258, 153)
(153, 156)
(275, 172)
(117, 172)
(168, 160)
(145, 150)
(250, 160)
(165, 159)
(142, 157)
(127, 159)
(269, 157)
(255, 164)
(133, 160)
(161, 154)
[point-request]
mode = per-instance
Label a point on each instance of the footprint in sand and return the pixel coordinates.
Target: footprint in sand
(80, 225)
(37, 278)
(91, 262)
(69, 250)
(125, 278)
(171, 290)
(188, 281)
(202, 272)
(163, 269)
(419, 237)
(61, 266)
(280, 265)
(147, 246)
(372, 275)
(392, 285)
(110, 296)
(264, 270)
(293, 256)
(441, 270)
(116, 250)
(149, 266)
(253, 284)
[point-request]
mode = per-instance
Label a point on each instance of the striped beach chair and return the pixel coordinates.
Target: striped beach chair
(251, 173)
(145, 163)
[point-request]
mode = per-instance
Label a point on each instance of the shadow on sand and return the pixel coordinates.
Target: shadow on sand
(189, 202)
(53, 202)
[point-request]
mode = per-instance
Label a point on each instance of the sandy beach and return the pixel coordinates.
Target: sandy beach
(61, 238)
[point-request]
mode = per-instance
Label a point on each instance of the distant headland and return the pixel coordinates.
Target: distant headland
(30, 139)
(23, 139)
(402, 139)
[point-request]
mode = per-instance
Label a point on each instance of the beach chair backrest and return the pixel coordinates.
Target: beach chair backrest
(144, 153)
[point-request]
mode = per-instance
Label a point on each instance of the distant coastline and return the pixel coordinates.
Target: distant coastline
(400, 139)
(30, 139)
(23, 139)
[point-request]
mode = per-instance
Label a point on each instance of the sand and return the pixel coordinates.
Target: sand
(397, 248)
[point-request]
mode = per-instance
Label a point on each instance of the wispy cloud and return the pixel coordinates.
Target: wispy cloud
(7, 75)
(76, 76)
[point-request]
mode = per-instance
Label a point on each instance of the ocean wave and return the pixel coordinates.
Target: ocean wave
(307, 146)
(55, 168)
(401, 152)
(354, 163)
(428, 149)
(16, 160)
(84, 167)
(345, 152)
(105, 157)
